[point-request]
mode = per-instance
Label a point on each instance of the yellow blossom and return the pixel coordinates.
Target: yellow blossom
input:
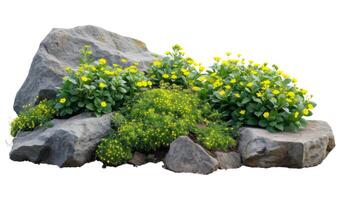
(62, 100)
(157, 63)
(266, 114)
(250, 84)
(217, 83)
(102, 61)
(173, 77)
(102, 85)
(68, 69)
(233, 81)
(242, 112)
(195, 88)
(303, 91)
(305, 112)
(115, 65)
(165, 76)
(201, 68)
(123, 60)
(294, 80)
(84, 78)
(259, 94)
(149, 83)
(291, 94)
(222, 92)
(275, 92)
(217, 58)
(104, 104)
(227, 87)
(296, 114)
(237, 95)
(310, 106)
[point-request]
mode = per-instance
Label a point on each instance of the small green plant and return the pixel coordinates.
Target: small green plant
(98, 87)
(32, 117)
(254, 94)
(175, 68)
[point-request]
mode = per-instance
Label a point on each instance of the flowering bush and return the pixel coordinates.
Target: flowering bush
(175, 68)
(32, 117)
(159, 116)
(255, 94)
(98, 87)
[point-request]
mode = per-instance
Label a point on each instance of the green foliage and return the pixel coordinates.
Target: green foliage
(254, 94)
(216, 136)
(98, 87)
(175, 68)
(32, 117)
(112, 152)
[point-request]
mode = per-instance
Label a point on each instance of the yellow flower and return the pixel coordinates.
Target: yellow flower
(305, 112)
(93, 68)
(68, 69)
(296, 114)
(104, 104)
(303, 91)
(259, 94)
(84, 78)
(221, 92)
(195, 88)
(233, 81)
(115, 65)
(102, 61)
(201, 68)
(294, 80)
(186, 73)
(237, 95)
(102, 85)
(217, 83)
(242, 112)
(227, 87)
(275, 92)
(139, 84)
(165, 76)
(289, 100)
(228, 53)
(239, 55)
(291, 94)
(310, 106)
(173, 77)
(266, 114)
(149, 83)
(202, 78)
(217, 58)
(62, 100)
(250, 84)
(123, 60)
(254, 72)
(266, 82)
(157, 63)
(133, 69)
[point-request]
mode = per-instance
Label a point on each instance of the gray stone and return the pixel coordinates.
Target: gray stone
(138, 159)
(306, 148)
(60, 48)
(228, 160)
(186, 156)
(68, 143)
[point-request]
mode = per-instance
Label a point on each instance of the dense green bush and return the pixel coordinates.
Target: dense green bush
(255, 94)
(98, 87)
(33, 116)
(175, 68)
(158, 116)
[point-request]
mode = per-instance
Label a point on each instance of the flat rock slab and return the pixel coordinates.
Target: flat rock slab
(306, 148)
(60, 48)
(68, 143)
(186, 156)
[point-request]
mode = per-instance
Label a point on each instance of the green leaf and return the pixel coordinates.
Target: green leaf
(246, 100)
(263, 123)
(90, 106)
(280, 127)
(122, 90)
(81, 104)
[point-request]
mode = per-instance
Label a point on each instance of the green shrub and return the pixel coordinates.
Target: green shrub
(98, 87)
(32, 117)
(175, 68)
(216, 136)
(112, 152)
(255, 94)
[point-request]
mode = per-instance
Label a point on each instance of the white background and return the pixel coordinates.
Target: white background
(302, 37)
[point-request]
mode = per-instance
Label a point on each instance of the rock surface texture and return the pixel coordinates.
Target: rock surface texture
(308, 147)
(186, 156)
(60, 48)
(68, 143)
(229, 160)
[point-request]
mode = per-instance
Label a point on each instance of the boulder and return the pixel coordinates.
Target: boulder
(228, 160)
(60, 48)
(68, 143)
(138, 159)
(306, 148)
(186, 156)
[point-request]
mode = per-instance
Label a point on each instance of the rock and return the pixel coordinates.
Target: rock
(60, 48)
(186, 156)
(138, 159)
(307, 148)
(68, 143)
(229, 160)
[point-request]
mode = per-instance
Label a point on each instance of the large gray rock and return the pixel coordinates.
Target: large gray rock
(68, 143)
(308, 147)
(228, 160)
(186, 156)
(61, 48)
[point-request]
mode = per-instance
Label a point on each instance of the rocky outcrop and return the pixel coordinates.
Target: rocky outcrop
(186, 156)
(68, 143)
(308, 147)
(60, 48)
(228, 160)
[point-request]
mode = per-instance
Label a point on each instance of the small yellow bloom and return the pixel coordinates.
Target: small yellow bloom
(104, 104)
(157, 63)
(102, 61)
(62, 100)
(266, 82)
(186, 73)
(259, 94)
(149, 83)
(291, 94)
(305, 112)
(233, 81)
(195, 88)
(266, 114)
(133, 70)
(296, 114)
(139, 84)
(227, 87)
(102, 85)
(310, 106)
(115, 65)
(217, 58)
(250, 84)
(294, 80)
(174, 77)
(165, 76)
(221, 92)
(242, 112)
(275, 92)
(201, 68)
(303, 91)
(237, 95)
(68, 69)
(228, 53)
(84, 78)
